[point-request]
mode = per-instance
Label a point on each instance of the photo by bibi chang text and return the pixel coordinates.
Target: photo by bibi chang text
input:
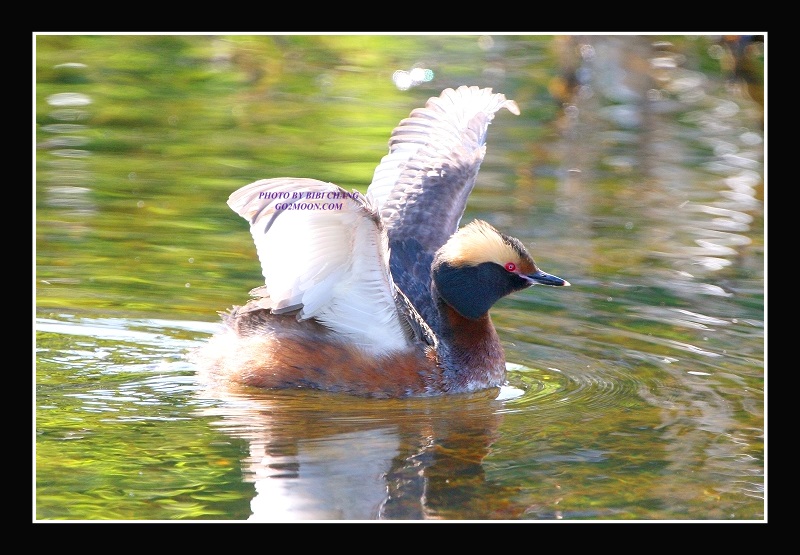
(295, 196)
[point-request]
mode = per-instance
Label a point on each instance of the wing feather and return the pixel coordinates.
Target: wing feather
(421, 186)
(328, 264)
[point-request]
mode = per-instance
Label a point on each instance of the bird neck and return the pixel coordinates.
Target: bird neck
(470, 350)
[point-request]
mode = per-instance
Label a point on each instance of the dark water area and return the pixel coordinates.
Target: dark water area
(635, 171)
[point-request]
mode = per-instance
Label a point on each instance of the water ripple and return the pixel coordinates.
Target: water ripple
(549, 390)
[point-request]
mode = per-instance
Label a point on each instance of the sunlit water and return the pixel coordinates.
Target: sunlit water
(635, 172)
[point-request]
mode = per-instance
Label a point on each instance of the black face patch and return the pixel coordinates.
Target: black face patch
(472, 290)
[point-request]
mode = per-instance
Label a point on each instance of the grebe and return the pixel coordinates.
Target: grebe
(383, 295)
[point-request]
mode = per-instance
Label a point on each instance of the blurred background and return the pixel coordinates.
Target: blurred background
(635, 171)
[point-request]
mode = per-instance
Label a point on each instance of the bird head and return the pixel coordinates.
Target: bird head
(479, 265)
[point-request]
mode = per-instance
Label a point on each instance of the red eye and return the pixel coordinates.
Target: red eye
(511, 267)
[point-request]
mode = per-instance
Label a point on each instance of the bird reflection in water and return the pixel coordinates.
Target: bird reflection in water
(322, 456)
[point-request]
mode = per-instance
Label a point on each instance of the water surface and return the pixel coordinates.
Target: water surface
(635, 171)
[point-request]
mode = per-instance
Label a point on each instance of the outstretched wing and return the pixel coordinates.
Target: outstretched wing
(421, 187)
(323, 253)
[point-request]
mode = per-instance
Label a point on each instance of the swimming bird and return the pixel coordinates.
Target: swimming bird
(382, 294)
